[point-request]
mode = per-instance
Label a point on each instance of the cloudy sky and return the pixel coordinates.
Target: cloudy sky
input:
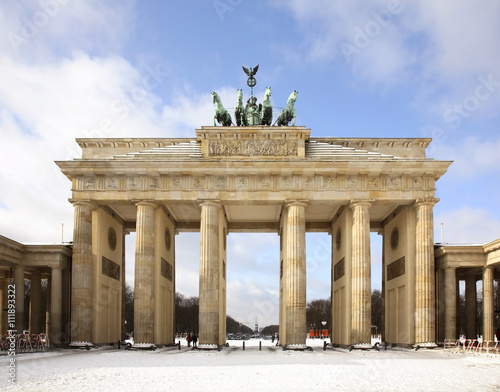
(124, 68)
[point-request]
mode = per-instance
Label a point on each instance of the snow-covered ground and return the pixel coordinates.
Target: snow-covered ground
(271, 369)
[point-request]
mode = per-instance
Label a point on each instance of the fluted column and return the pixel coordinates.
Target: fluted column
(425, 291)
(470, 307)
(361, 274)
(488, 304)
(295, 260)
(5, 284)
(209, 274)
(450, 298)
(124, 287)
(56, 306)
(36, 303)
(81, 275)
(144, 273)
(19, 282)
(48, 306)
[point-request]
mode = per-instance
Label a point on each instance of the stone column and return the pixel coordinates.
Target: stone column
(361, 274)
(498, 294)
(124, 287)
(450, 306)
(497, 306)
(209, 273)
(384, 241)
(3, 326)
(470, 307)
(488, 304)
(48, 306)
(81, 278)
(425, 292)
(19, 282)
(295, 278)
(36, 303)
(144, 274)
(56, 306)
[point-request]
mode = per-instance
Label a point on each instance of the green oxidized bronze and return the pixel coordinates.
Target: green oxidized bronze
(221, 114)
(288, 113)
(253, 113)
(240, 112)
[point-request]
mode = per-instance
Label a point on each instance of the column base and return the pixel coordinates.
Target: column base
(361, 346)
(144, 346)
(78, 344)
(207, 347)
(297, 347)
(428, 345)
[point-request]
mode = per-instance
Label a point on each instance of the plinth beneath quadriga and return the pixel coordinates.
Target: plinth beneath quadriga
(241, 179)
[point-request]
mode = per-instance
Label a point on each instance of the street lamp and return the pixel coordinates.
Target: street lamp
(322, 334)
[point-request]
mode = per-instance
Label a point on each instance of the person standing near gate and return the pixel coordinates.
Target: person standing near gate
(195, 340)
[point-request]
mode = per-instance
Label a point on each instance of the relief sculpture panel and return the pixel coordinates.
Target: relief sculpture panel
(252, 148)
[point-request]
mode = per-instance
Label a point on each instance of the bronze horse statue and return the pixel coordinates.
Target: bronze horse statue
(288, 113)
(266, 111)
(221, 115)
(239, 111)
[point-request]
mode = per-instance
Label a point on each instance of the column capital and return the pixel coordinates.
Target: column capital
(57, 267)
(210, 203)
(83, 203)
(360, 203)
(296, 203)
(146, 203)
(425, 202)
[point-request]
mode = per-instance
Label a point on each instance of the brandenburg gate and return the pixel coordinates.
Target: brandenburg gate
(257, 178)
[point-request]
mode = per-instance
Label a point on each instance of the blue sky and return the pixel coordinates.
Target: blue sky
(146, 69)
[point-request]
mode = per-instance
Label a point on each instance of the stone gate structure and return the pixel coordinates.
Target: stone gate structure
(256, 178)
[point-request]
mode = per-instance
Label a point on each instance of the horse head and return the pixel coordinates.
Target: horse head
(239, 95)
(267, 93)
(293, 96)
(215, 97)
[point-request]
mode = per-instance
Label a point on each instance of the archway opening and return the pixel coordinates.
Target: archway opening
(252, 276)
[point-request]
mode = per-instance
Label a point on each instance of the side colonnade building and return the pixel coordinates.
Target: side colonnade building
(35, 262)
(264, 179)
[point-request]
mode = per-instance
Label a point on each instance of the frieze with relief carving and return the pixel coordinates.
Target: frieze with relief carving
(252, 148)
(260, 182)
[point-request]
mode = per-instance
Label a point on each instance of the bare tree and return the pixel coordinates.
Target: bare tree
(377, 315)
(129, 308)
(317, 311)
(186, 314)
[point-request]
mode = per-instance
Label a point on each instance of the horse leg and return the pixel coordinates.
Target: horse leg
(279, 119)
(227, 119)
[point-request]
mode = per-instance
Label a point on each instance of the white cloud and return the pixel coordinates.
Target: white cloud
(467, 225)
(248, 300)
(472, 158)
(462, 36)
(438, 48)
(365, 37)
(45, 107)
(49, 29)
